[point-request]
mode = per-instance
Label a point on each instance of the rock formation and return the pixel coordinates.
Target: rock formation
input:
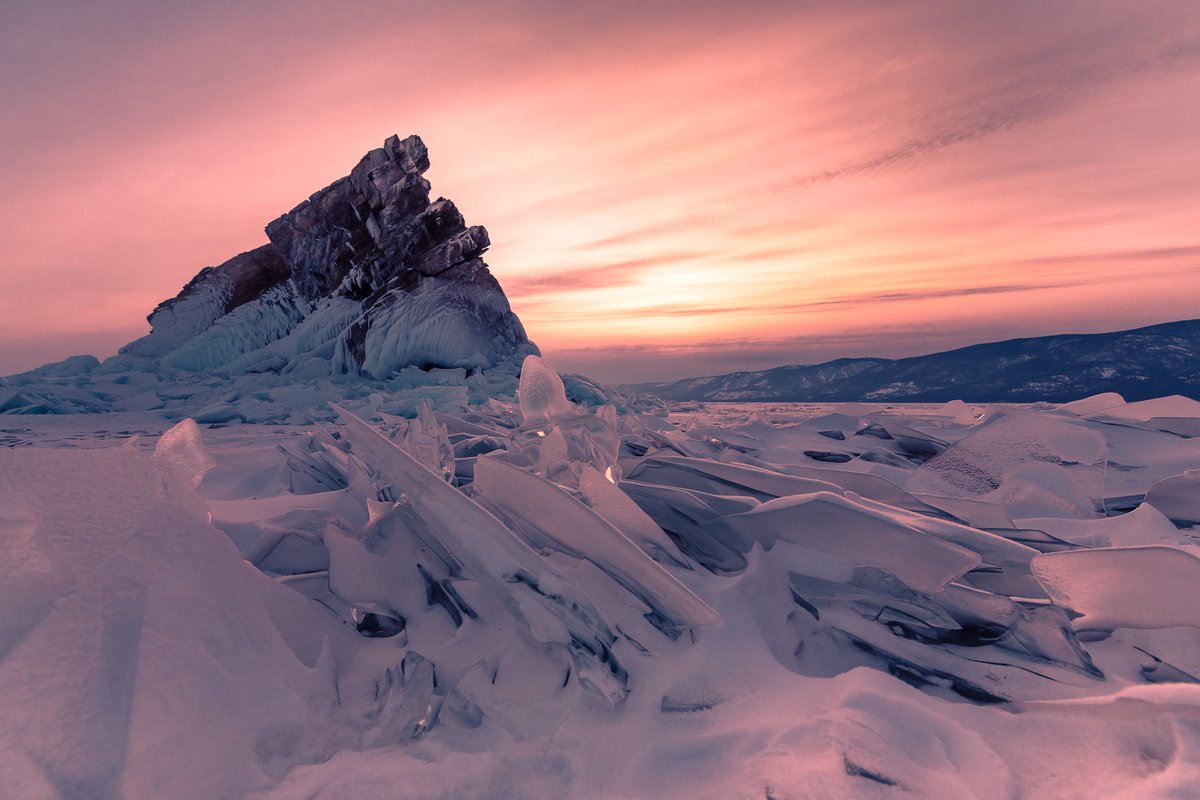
(365, 277)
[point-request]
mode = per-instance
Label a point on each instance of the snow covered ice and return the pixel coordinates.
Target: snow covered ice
(461, 603)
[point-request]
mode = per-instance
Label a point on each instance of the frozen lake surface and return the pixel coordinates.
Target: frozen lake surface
(541, 598)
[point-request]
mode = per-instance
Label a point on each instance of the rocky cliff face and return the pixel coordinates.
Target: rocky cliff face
(367, 276)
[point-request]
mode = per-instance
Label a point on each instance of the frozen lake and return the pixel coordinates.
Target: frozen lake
(546, 599)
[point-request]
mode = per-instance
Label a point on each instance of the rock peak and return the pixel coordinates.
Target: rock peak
(366, 276)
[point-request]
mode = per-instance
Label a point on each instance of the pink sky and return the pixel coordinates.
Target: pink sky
(683, 189)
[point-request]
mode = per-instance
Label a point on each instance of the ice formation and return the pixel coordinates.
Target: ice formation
(538, 598)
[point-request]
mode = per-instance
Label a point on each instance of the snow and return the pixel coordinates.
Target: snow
(1145, 410)
(135, 633)
(455, 585)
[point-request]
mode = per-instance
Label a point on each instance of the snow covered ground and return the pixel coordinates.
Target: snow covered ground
(544, 599)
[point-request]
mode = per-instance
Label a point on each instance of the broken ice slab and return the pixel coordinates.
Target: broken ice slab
(1178, 497)
(1174, 414)
(1032, 464)
(1095, 404)
(863, 536)
(573, 528)
(695, 521)
(978, 646)
(721, 437)
(388, 568)
(1171, 407)
(1005, 562)
(558, 437)
(590, 440)
(428, 441)
(542, 396)
(973, 511)
(520, 582)
(1134, 587)
(182, 448)
(602, 496)
(866, 484)
(716, 477)
(315, 465)
(912, 440)
(1145, 525)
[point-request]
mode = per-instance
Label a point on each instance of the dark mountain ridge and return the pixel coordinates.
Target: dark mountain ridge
(1139, 364)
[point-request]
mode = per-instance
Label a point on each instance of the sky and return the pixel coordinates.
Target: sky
(671, 188)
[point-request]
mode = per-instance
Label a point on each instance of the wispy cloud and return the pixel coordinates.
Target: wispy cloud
(769, 307)
(1044, 84)
(1184, 252)
(608, 275)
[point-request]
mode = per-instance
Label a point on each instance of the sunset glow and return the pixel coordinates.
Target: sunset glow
(687, 189)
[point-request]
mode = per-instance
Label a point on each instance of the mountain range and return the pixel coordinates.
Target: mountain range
(1139, 364)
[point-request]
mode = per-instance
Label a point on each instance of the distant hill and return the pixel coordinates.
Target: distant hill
(1139, 364)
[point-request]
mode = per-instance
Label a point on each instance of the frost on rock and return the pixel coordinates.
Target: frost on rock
(443, 323)
(246, 329)
(214, 292)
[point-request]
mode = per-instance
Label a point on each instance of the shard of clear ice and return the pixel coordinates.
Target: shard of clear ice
(542, 395)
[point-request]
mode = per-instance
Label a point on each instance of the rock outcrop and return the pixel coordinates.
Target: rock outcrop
(367, 276)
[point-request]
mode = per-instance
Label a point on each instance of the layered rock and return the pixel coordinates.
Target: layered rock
(367, 276)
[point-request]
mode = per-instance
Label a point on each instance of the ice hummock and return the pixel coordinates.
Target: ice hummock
(545, 598)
